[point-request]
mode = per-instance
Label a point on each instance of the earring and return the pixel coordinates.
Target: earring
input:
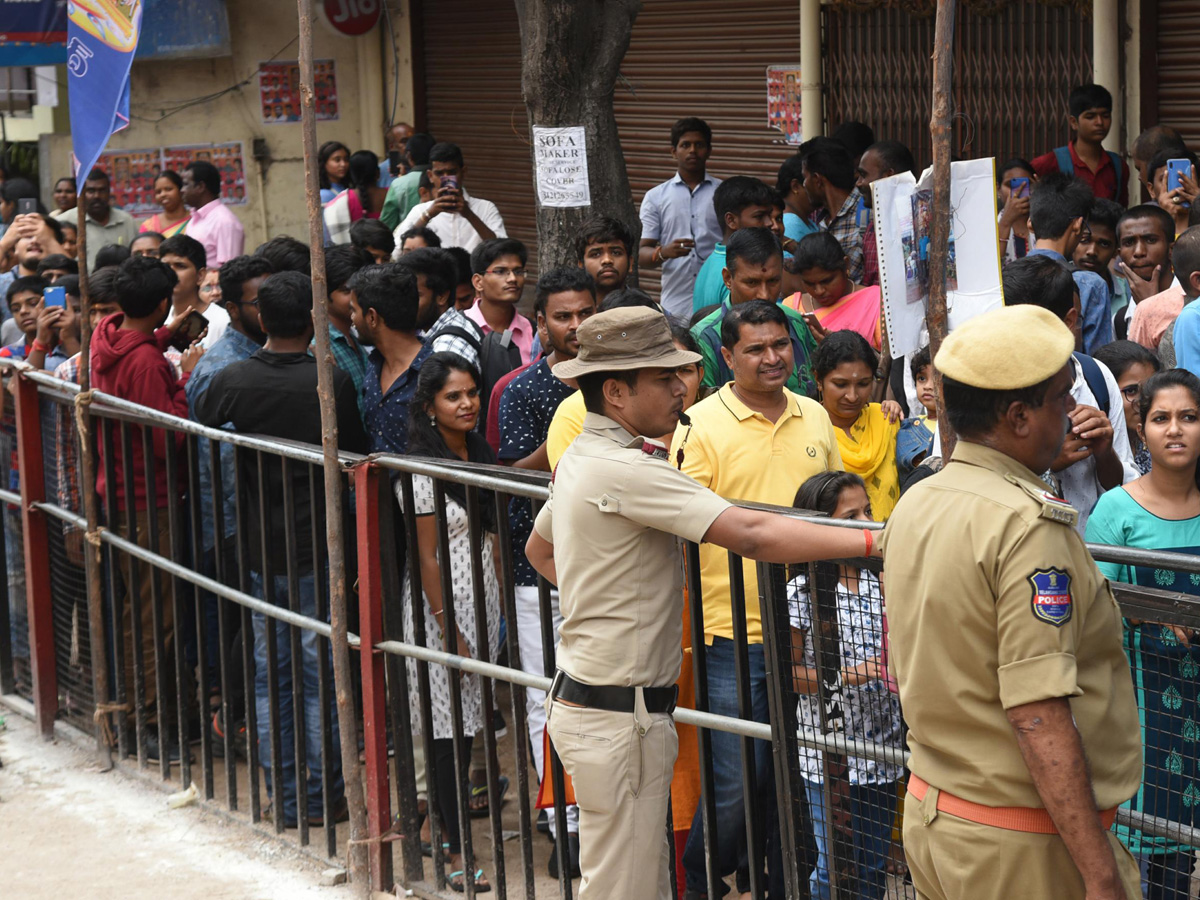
(433, 421)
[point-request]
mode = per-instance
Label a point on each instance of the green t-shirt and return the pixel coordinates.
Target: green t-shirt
(403, 194)
(707, 333)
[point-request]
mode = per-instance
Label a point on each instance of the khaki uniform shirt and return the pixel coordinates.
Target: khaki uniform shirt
(993, 601)
(614, 516)
(742, 455)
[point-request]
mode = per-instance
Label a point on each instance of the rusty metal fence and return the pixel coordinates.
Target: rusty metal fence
(218, 664)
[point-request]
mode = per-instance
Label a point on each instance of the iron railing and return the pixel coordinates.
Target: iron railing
(199, 601)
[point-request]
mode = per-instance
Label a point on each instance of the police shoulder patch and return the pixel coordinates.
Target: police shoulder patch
(1052, 600)
(1053, 508)
(655, 449)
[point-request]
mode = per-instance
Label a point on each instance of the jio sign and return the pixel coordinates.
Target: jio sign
(352, 17)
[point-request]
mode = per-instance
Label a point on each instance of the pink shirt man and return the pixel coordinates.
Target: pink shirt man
(1154, 315)
(219, 230)
(521, 328)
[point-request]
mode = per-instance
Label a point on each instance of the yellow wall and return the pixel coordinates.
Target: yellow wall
(259, 30)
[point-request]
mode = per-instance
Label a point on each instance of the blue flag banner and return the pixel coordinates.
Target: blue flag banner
(102, 36)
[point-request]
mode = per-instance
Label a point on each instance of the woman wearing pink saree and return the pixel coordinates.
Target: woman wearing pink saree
(830, 301)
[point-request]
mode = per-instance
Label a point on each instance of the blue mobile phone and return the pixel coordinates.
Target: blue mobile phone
(54, 296)
(1019, 187)
(1175, 168)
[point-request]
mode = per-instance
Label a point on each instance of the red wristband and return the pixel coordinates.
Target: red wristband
(870, 541)
(38, 345)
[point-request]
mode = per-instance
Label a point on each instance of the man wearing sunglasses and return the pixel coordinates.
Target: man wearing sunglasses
(1058, 214)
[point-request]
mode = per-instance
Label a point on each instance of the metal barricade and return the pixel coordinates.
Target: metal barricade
(780, 754)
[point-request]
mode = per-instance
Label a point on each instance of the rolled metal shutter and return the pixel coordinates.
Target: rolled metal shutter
(703, 58)
(1178, 47)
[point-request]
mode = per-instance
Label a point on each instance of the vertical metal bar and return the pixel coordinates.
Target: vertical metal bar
(370, 616)
(115, 589)
(241, 504)
(708, 804)
(268, 583)
(196, 553)
(299, 744)
(781, 702)
(491, 762)
(420, 638)
(745, 700)
(135, 597)
(456, 711)
(8, 679)
(553, 763)
(40, 600)
(156, 624)
(822, 592)
(521, 748)
(220, 570)
(321, 610)
(175, 537)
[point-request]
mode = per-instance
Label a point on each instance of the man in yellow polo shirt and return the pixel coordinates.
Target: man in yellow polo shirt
(753, 440)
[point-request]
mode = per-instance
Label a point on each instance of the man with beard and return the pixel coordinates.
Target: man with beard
(566, 297)
(605, 248)
(105, 223)
(883, 159)
(388, 312)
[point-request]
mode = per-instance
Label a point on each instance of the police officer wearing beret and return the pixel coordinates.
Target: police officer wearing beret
(609, 538)
(1005, 640)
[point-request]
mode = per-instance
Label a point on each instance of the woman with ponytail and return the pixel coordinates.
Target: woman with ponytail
(363, 200)
(1161, 511)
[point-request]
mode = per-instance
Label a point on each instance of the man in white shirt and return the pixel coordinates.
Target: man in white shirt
(456, 217)
(1096, 456)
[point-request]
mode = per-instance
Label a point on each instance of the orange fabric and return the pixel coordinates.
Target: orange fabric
(1010, 818)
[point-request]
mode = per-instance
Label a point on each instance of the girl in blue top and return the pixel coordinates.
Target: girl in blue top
(1161, 511)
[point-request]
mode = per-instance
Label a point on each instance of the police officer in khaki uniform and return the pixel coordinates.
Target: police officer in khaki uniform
(1005, 640)
(608, 538)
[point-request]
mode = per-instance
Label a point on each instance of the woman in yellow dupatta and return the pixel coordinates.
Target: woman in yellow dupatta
(844, 368)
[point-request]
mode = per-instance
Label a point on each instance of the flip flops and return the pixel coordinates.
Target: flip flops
(459, 885)
(481, 790)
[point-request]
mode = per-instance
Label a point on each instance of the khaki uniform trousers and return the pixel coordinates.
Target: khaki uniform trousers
(954, 859)
(621, 765)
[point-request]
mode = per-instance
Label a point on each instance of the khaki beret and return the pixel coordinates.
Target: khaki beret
(1006, 349)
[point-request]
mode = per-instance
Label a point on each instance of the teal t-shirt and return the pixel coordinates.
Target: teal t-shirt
(710, 285)
(796, 228)
(1164, 670)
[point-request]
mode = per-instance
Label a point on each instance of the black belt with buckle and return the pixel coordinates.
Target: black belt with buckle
(613, 698)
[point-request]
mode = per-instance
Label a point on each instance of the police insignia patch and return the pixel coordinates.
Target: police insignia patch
(1051, 596)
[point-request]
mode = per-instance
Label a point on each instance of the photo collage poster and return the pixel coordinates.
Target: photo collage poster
(279, 91)
(132, 173)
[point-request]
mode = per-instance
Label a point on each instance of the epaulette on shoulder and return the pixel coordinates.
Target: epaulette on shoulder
(658, 451)
(1053, 508)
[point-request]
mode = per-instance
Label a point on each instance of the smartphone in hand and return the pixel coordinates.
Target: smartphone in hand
(1176, 168)
(1019, 187)
(27, 205)
(189, 332)
(54, 296)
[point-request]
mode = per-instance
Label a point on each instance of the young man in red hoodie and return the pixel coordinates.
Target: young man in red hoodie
(128, 362)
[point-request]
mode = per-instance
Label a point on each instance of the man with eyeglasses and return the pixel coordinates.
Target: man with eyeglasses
(1096, 456)
(1059, 208)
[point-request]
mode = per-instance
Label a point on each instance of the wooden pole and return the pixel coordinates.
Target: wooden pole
(91, 502)
(342, 670)
(939, 231)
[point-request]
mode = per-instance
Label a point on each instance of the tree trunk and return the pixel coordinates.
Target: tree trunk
(939, 231)
(571, 57)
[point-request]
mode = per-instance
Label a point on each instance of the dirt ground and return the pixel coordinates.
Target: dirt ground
(69, 831)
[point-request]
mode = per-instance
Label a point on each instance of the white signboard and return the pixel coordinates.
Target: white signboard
(560, 155)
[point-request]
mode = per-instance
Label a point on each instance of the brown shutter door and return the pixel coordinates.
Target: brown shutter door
(703, 58)
(1179, 67)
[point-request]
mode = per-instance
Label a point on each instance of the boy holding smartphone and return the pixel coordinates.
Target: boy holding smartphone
(1090, 117)
(24, 299)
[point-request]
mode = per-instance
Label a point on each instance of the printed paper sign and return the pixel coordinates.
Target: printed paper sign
(560, 155)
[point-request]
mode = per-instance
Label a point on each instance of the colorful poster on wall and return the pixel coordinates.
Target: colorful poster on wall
(783, 101)
(228, 158)
(279, 91)
(131, 175)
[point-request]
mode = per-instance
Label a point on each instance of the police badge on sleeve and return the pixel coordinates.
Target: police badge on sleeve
(1051, 596)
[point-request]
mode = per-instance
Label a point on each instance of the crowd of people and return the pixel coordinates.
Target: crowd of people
(772, 294)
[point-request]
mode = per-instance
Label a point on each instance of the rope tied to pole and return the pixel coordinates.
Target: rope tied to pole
(387, 837)
(100, 716)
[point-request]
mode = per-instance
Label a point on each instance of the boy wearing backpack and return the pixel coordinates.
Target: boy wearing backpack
(1090, 118)
(1096, 456)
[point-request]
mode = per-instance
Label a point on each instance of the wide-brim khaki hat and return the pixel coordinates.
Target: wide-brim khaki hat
(622, 339)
